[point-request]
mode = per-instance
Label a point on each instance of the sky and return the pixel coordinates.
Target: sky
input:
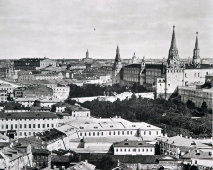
(67, 28)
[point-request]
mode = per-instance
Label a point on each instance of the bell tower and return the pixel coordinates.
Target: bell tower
(196, 52)
(173, 57)
(116, 69)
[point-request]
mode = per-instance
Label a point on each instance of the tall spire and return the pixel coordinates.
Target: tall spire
(173, 42)
(173, 58)
(117, 57)
(196, 52)
(87, 54)
(196, 42)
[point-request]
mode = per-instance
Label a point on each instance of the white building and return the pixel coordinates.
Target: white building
(28, 102)
(23, 124)
(74, 110)
(130, 147)
(61, 92)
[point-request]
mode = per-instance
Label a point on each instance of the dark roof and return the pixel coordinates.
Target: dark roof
(35, 142)
(143, 159)
(41, 151)
(61, 159)
(133, 66)
(50, 135)
(126, 143)
(155, 66)
(27, 115)
(201, 66)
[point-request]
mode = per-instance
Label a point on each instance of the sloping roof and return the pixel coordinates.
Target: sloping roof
(201, 66)
(82, 166)
(198, 154)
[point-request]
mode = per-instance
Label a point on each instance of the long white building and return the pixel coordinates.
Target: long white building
(24, 124)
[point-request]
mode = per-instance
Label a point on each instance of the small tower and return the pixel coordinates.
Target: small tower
(173, 58)
(134, 58)
(196, 52)
(116, 69)
(87, 54)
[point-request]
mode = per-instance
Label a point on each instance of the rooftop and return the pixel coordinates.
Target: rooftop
(132, 143)
(27, 115)
(198, 154)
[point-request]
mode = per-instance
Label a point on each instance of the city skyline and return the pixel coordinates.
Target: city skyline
(66, 29)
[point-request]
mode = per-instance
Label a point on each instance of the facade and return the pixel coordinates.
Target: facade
(47, 63)
(7, 87)
(3, 96)
(74, 110)
(127, 147)
(196, 95)
(37, 92)
(23, 124)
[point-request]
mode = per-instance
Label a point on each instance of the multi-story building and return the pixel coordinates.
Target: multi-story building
(23, 124)
(7, 87)
(178, 146)
(129, 147)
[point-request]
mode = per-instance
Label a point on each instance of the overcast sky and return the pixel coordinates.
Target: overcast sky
(66, 28)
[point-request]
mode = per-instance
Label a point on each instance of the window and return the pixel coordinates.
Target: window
(48, 125)
(29, 125)
(20, 134)
(93, 133)
(149, 132)
(11, 127)
(43, 125)
(52, 125)
(85, 134)
(25, 133)
(2, 126)
(20, 126)
(16, 126)
(25, 126)
(33, 125)
(80, 134)
(102, 133)
(30, 133)
(6, 126)
(109, 133)
(38, 125)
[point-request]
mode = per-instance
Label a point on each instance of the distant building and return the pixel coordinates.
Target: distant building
(129, 147)
(88, 61)
(33, 63)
